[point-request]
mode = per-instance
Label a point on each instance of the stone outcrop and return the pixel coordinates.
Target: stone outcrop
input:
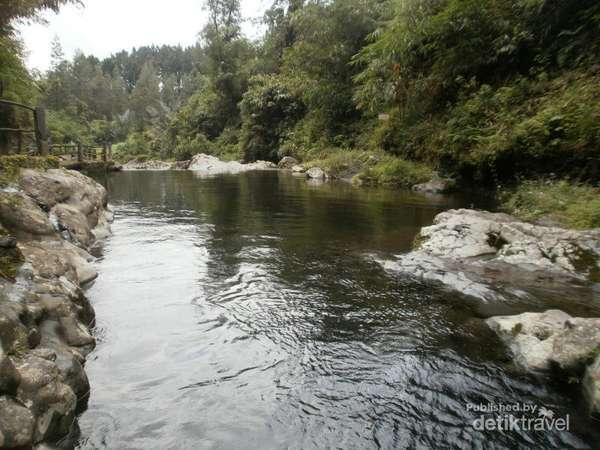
(492, 255)
(498, 259)
(287, 163)
(203, 164)
(316, 173)
(51, 219)
(147, 165)
(437, 185)
(555, 342)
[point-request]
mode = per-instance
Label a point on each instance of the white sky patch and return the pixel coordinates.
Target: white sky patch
(104, 27)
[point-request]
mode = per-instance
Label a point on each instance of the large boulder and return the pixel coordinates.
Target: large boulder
(72, 220)
(152, 165)
(57, 258)
(316, 173)
(53, 403)
(556, 343)
(493, 256)
(577, 345)
(22, 216)
(207, 165)
(437, 185)
(287, 163)
(531, 336)
(9, 377)
(16, 424)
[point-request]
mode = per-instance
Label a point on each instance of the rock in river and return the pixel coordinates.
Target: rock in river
(287, 163)
(53, 218)
(316, 173)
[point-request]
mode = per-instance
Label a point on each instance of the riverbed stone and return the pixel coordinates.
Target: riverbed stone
(147, 165)
(316, 173)
(531, 336)
(72, 219)
(45, 318)
(298, 170)
(16, 424)
(53, 403)
(437, 185)
(22, 216)
(287, 163)
(577, 345)
(9, 377)
(493, 256)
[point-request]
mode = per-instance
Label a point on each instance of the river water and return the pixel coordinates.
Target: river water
(250, 312)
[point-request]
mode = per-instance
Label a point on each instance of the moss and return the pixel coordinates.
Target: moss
(517, 329)
(11, 260)
(418, 242)
(10, 166)
(569, 204)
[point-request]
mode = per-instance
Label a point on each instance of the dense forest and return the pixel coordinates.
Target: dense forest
(488, 92)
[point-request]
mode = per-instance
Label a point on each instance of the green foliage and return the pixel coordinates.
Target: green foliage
(269, 110)
(571, 205)
(395, 172)
(11, 165)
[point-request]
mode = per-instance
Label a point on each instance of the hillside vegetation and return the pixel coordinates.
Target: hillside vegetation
(490, 92)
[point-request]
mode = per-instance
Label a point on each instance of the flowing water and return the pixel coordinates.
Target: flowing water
(250, 312)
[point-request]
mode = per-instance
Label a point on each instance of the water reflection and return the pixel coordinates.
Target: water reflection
(244, 312)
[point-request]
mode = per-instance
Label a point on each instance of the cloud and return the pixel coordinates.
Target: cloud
(104, 27)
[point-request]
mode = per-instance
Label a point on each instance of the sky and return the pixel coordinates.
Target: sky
(104, 27)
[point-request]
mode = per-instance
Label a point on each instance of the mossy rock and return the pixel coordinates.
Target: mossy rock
(11, 165)
(11, 261)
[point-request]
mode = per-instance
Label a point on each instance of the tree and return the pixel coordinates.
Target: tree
(145, 98)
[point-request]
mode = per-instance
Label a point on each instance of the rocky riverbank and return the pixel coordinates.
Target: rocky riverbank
(48, 222)
(496, 259)
(202, 164)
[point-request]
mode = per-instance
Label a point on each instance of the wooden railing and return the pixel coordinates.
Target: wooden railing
(39, 129)
(81, 152)
(77, 151)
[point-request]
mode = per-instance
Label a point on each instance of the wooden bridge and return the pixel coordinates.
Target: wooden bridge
(75, 152)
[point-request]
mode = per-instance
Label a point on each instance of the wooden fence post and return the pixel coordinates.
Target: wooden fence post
(104, 152)
(79, 152)
(41, 132)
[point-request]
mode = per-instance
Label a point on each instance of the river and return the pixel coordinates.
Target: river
(250, 312)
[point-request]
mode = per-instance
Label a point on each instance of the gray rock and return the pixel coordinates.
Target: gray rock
(72, 219)
(147, 165)
(287, 163)
(16, 424)
(591, 387)
(53, 403)
(493, 255)
(298, 169)
(531, 336)
(181, 165)
(436, 185)
(208, 165)
(577, 345)
(9, 377)
(316, 173)
(21, 215)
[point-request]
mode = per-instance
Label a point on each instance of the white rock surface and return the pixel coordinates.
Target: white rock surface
(203, 164)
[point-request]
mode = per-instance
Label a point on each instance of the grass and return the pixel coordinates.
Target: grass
(10, 166)
(371, 168)
(395, 172)
(570, 205)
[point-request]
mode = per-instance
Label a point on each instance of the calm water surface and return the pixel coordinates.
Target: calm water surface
(250, 312)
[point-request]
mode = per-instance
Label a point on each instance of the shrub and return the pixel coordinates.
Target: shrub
(571, 205)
